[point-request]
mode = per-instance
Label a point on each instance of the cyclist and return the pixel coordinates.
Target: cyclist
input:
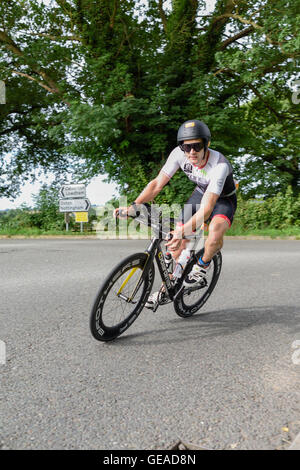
(214, 197)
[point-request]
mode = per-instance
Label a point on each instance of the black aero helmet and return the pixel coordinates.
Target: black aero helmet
(194, 129)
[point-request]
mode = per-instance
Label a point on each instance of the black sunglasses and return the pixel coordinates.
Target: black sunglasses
(188, 147)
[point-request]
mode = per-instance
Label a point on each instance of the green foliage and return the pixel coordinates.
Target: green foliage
(46, 215)
(281, 212)
(102, 86)
(278, 212)
(16, 219)
(176, 191)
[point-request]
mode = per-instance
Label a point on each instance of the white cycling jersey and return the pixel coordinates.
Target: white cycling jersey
(215, 176)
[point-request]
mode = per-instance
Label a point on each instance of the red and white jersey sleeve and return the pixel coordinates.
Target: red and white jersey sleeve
(215, 176)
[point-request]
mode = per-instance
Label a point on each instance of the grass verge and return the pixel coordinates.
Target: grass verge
(35, 232)
(267, 232)
(290, 232)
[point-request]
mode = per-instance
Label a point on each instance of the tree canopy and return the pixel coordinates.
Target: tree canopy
(101, 87)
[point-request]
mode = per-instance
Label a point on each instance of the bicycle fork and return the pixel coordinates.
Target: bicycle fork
(138, 284)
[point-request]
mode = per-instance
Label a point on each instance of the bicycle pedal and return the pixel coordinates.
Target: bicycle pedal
(164, 301)
(161, 301)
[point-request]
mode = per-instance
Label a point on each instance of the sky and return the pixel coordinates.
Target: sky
(97, 192)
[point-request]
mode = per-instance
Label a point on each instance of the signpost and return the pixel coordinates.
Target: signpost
(73, 199)
(81, 217)
(72, 191)
(74, 205)
(67, 220)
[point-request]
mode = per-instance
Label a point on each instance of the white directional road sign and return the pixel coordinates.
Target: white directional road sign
(73, 190)
(74, 205)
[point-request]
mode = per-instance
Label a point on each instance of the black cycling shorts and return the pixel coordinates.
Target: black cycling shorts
(225, 207)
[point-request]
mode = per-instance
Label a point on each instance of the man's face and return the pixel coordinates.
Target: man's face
(195, 157)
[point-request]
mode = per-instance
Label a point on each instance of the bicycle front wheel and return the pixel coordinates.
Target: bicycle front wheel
(121, 298)
(191, 299)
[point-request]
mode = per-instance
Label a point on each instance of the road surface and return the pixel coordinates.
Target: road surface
(227, 378)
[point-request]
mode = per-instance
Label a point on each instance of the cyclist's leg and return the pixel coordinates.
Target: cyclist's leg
(221, 220)
(214, 242)
(190, 208)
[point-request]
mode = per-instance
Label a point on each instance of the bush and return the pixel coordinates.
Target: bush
(278, 212)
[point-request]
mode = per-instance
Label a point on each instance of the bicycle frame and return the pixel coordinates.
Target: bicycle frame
(127, 288)
(154, 251)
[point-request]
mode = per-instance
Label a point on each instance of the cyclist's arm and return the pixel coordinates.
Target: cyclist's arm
(207, 205)
(168, 170)
(210, 197)
(153, 188)
(165, 174)
(156, 185)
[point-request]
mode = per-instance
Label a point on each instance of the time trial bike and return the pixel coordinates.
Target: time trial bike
(124, 292)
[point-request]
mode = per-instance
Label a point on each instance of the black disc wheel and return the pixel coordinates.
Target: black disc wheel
(191, 299)
(121, 297)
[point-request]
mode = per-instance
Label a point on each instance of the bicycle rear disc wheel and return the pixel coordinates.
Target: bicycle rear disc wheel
(191, 299)
(114, 310)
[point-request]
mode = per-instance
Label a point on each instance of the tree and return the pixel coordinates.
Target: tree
(107, 83)
(46, 215)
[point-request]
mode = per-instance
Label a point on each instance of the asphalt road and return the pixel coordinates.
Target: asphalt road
(227, 378)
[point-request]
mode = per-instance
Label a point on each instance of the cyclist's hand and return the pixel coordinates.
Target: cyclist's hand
(121, 212)
(175, 241)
